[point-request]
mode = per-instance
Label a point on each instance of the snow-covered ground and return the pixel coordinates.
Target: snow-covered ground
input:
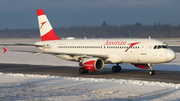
(45, 87)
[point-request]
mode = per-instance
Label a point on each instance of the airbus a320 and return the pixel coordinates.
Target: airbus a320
(92, 54)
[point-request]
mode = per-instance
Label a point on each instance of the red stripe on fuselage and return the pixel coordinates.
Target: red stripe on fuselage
(49, 36)
(131, 44)
(40, 12)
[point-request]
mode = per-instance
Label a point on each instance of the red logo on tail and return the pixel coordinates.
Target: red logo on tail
(42, 24)
(131, 44)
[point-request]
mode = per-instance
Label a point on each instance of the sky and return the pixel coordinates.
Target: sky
(66, 13)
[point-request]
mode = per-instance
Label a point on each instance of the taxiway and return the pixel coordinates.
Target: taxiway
(134, 74)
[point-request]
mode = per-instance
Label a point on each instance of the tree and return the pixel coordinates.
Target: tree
(6, 29)
(159, 24)
(155, 24)
(104, 23)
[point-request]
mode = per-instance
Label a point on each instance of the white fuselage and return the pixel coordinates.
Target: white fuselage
(143, 51)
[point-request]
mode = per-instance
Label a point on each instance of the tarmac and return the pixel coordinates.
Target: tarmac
(134, 74)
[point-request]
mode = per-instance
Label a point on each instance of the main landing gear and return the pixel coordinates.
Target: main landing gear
(82, 70)
(116, 68)
(151, 72)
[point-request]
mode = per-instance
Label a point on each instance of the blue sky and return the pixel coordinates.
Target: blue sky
(22, 13)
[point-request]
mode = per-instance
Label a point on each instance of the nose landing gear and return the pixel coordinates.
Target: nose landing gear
(151, 72)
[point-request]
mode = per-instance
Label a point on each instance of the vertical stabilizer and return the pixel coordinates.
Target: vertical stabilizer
(46, 30)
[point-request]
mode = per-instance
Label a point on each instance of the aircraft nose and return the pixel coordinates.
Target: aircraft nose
(170, 55)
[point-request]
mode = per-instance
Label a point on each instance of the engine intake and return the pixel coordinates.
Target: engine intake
(93, 64)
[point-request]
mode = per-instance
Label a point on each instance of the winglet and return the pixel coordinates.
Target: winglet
(4, 50)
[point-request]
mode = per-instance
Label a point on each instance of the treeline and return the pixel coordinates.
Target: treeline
(137, 30)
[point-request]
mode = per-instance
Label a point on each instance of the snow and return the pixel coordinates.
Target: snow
(46, 87)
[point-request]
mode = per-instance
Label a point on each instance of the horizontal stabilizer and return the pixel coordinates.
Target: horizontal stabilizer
(21, 44)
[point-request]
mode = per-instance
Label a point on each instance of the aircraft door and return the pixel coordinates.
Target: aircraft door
(143, 48)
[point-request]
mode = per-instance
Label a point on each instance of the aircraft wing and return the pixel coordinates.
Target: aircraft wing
(103, 56)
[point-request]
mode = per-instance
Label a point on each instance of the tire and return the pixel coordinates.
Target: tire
(81, 70)
(152, 72)
(118, 68)
(114, 69)
(86, 71)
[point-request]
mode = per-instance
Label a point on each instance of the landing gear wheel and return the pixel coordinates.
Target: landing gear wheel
(86, 71)
(151, 72)
(116, 69)
(81, 70)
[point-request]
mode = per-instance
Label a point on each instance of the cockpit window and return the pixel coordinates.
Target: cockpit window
(164, 46)
(158, 47)
(161, 47)
(155, 47)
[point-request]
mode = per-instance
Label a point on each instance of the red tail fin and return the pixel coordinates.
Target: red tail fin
(46, 30)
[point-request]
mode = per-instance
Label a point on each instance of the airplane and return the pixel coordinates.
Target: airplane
(92, 54)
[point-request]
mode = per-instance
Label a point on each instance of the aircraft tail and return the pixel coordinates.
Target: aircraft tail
(46, 31)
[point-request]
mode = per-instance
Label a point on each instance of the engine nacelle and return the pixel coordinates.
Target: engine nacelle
(142, 66)
(93, 64)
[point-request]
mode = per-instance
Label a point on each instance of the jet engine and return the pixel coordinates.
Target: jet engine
(93, 64)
